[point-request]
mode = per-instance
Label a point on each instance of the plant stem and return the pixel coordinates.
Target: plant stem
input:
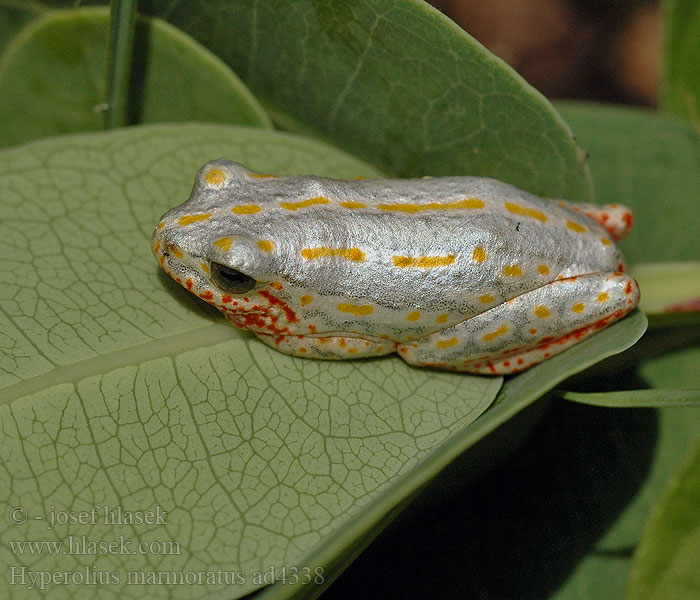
(123, 13)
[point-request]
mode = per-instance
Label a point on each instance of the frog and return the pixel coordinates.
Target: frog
(464, 273)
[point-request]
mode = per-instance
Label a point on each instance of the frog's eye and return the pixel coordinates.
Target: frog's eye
(231, 280)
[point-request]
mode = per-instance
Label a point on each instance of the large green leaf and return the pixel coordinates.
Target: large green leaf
(680, 81)
(396, 83)
(53, 76)
(667, 561)
(652, 164)
(121, 389)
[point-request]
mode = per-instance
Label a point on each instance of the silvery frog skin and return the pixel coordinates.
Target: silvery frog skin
(461, 273)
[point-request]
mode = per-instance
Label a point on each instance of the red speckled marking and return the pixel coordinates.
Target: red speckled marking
(226, 299)
(275, 301)
(208, 295)
(621, 268)
(628, 219)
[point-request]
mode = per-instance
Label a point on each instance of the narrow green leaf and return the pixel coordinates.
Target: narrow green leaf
(394, 82)
(52, 78)
(680, 81)
(121, 45)
(657, 398)
(667, 561)
(650, 163)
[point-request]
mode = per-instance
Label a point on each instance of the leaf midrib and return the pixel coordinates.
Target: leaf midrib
(169, 346)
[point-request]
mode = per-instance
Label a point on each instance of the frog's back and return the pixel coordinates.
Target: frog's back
(451, 243)
(455, 243)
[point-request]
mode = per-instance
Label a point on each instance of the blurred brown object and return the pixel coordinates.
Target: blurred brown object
(636, 55)
(564, 47)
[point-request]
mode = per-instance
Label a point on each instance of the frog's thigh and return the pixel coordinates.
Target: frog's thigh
(530, 328)
(330, 347)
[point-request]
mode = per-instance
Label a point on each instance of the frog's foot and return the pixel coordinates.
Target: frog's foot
(616, 218)
(331, 347)
(528, 329)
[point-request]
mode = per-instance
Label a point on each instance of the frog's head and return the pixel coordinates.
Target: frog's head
(212, 247)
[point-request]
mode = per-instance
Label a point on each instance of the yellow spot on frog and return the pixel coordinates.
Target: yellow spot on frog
(204, 266)
(512, 271)
(543, 270)
(355, 309)
(486, 298)
(304, 203)
(156, 248)
(265, 245)
(352, 350)
(177, 252)
(493, 335)
(578, 307)
(224, 243)
(606, 241)
(542, 312)
(578, 228)
(603, 296)
(215, 177)
(479, 254)
(354, 254)
(413, 316)
(423, 262)
(441, 319)
(467, 203)
(189, 219)
(516, 209)
(352, 204)
(245, 209)
(161, 225)
(446, 343)
(305, 299)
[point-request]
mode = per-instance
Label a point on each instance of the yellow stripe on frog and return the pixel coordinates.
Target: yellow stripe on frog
(304, 203)
(516, 209)
(355, 309)
(467, 203)
(423, 262)
(354, 254)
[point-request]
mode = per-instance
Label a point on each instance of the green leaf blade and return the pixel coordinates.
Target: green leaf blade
(680, 81)
(53, 78)
(357, 74)
(667, 561)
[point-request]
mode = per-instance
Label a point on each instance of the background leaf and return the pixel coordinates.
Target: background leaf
(358, 74)
(53, 76)
(650, 163)
(667, 562)
(680, 89)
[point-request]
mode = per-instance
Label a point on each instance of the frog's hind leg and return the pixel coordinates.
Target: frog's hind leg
(333, 347)
(616, 218)
(526, 330)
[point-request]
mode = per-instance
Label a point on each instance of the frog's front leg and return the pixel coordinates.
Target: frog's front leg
(530, 328)
(333, 347)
